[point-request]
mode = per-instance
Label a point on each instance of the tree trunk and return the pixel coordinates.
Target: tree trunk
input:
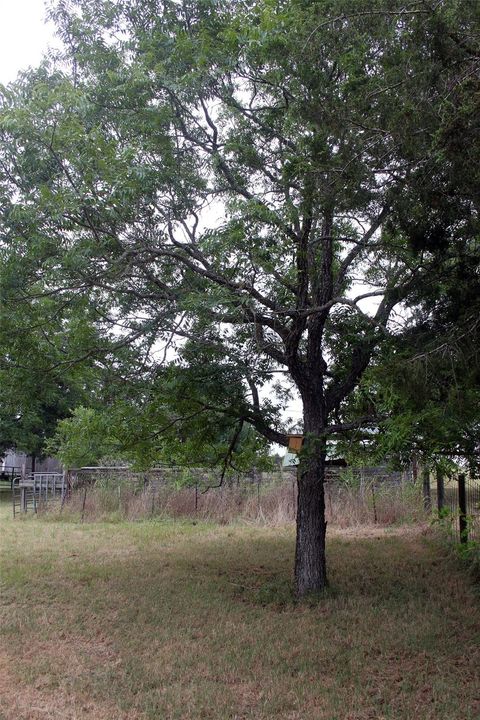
(310, 564)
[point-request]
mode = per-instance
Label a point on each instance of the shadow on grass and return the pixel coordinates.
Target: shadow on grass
(258, 570)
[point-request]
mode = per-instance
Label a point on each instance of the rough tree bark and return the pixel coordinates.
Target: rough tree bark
(310, 563)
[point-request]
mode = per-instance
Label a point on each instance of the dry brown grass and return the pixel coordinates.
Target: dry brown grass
(270, 504)
(36, 701)
(173, 620)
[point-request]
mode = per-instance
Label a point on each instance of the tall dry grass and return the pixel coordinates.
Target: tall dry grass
(270, 503)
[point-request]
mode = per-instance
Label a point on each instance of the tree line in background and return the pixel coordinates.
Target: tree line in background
(208, 206)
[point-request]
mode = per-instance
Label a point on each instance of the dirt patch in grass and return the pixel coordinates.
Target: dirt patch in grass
(175, 621)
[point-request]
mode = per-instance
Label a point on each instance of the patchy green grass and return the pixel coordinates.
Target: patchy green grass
(172, 620)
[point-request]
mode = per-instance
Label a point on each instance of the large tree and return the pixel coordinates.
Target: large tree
(216, 178)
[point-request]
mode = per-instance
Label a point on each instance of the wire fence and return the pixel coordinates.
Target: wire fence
(353, 496)
(363, 496)
(458, 503)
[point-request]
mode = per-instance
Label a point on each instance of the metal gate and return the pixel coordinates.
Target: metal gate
(34, 489)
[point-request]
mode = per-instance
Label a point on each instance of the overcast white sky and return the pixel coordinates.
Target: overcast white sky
(24, 36)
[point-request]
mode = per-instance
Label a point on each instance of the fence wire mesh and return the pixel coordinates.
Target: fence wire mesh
(461, 507)
(368, 495)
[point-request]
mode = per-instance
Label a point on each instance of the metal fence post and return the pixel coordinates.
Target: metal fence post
(23, 499)
(462, 504)
(257, 476)
(84, 500)
(440, 491)
(427, 498)
(375, 519)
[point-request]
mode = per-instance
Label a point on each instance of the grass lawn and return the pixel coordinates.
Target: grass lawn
(176, 620)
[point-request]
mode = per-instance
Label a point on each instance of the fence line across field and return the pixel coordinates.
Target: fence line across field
(193, 490)
(210, 477)
(457, 497)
